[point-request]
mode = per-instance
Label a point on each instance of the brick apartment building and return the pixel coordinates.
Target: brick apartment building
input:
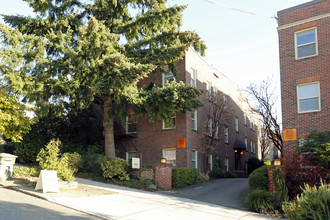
(304, 40)
(182, 144)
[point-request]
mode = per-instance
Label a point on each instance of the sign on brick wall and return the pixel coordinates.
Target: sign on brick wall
(181, 143)
(289, 135)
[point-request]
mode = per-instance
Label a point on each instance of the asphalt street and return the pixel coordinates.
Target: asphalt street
(229, 192)
(16, 206)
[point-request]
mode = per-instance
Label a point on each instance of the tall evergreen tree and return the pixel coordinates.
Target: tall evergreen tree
(76, 50)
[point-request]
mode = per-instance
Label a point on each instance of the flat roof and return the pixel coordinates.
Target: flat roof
(299, 6)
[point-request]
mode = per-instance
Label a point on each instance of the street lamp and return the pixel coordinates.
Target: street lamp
(277, 162)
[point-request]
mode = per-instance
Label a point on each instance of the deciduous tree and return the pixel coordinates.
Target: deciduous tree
(265, 98)
(13, 121)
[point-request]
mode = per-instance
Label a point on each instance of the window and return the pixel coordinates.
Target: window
(308, 97)
(170, 156)
(226, 135)
(210, 162)
(193, 76)
(194, 162)
(246, 144)
(245, 121)
(227, 163)
(168, 76)
(170, 126)
(236, 124)
(250, 124)
(130, 155)
(216, 135)
(209, 127)
(306, 43)
(224, 101)
(251, 145)
(131, 124)
(208, 90)
(194, 120)
(254, 147)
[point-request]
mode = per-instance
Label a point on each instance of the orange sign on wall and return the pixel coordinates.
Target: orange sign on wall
(289, 135)
(181, 143)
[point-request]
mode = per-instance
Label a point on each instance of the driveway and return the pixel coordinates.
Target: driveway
(228, 192)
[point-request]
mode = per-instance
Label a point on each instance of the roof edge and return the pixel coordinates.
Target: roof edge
(299, 6)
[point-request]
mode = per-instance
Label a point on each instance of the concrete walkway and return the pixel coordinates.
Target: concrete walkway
(128, 203)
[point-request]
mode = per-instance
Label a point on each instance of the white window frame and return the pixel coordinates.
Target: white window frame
(169, 77)
(214, 94)
(173, 162)
(246, 144)
(166, 126)
(216, 135)
(225, 100)
(194, 153)
(209, 127)
(226, 135)
(128, 157)
(299, 86)
(227, 164)
(251, 145)
(254, 147)
(194, 120)
(129, 123)
(208, 90)
(296, 35)
(245, 120)
(236, 124)
(193, 77)
(210, 160)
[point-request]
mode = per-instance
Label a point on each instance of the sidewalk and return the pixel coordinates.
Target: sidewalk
(126, 203)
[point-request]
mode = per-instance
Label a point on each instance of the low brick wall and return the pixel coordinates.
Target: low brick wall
(270, 169)
(163, 174)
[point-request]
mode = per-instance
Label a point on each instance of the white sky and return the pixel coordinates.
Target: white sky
(242, 46)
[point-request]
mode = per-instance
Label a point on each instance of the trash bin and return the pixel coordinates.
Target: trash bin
(7, 162)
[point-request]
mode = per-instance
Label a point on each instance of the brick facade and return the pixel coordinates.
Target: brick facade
(151, 139)
(312, 69)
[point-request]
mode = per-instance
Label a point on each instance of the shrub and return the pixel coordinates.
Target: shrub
(296, 175)
(65, 166)
(115, 168)
(217, 173)
(258, 179)
(229, 174)
(20, 171)
(184, 176)
(91, 163)
(313, 203)
(203, 178)
(281, 192)
(318, 142)
(254, 163)
(259, 200)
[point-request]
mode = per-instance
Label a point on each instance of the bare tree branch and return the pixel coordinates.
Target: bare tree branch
(219, 115)
(266, 99)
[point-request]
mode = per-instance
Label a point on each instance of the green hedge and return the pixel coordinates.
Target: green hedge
(258, 179)
(184, 176)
